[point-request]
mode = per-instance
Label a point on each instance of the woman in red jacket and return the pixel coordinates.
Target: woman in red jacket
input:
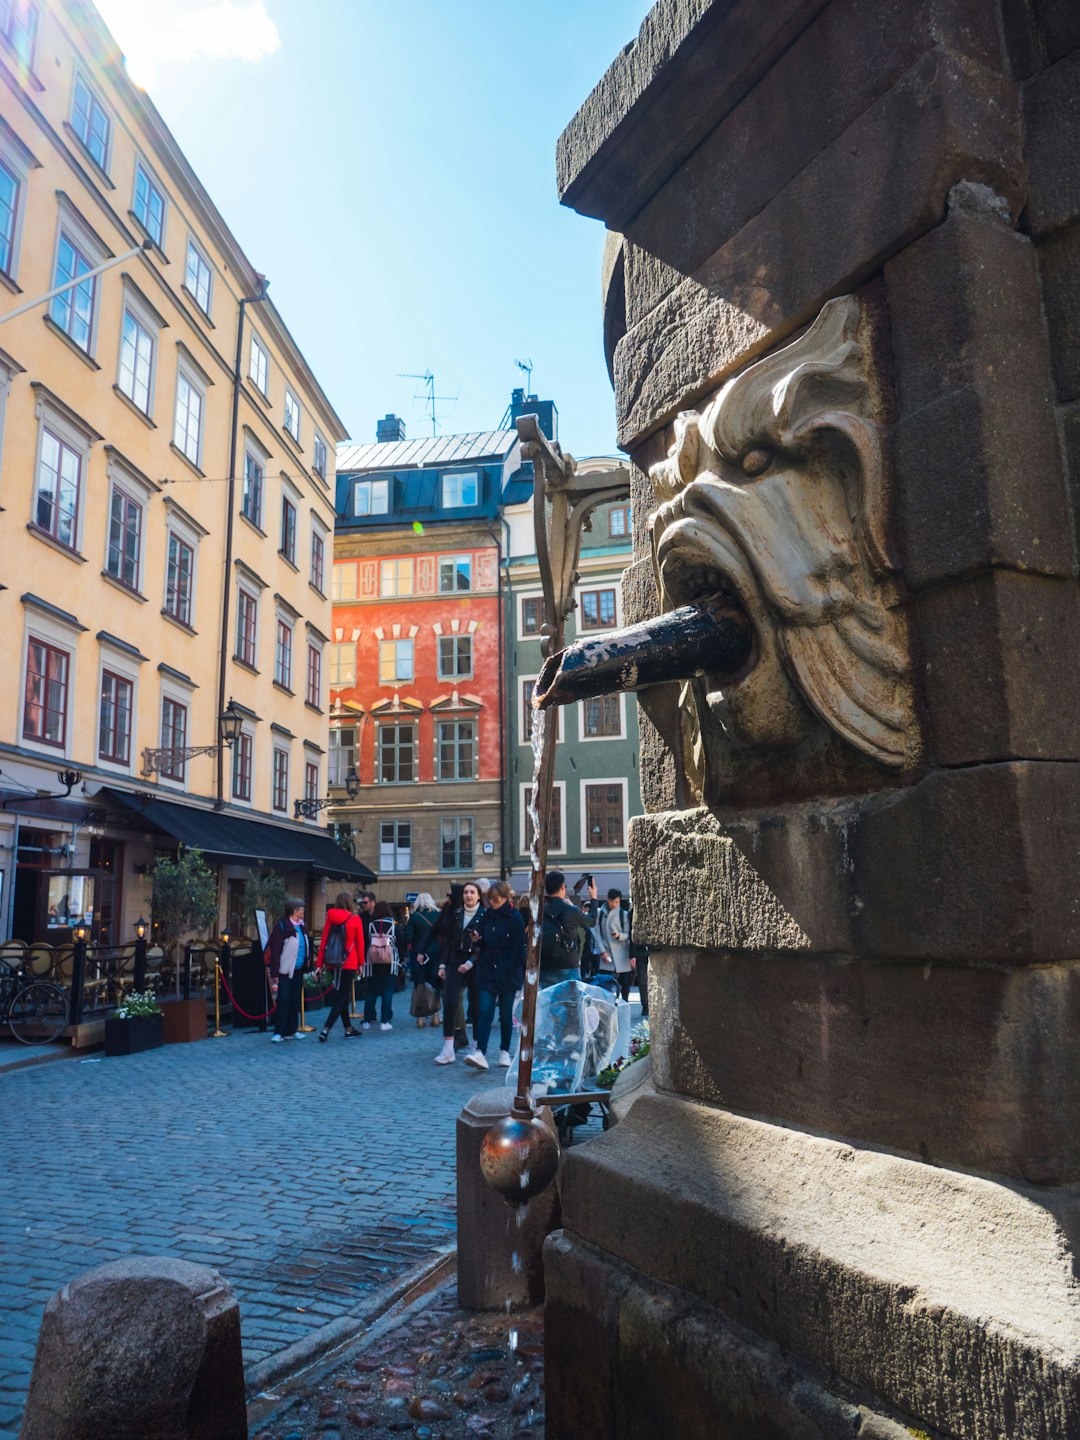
(341, 952)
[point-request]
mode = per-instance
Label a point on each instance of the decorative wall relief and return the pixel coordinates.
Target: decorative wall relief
(775, 497)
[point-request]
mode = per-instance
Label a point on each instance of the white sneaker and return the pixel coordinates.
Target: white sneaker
(477, 1060)
(446, 1055)
(386, 1025)
(300, 1035)
(504, 1059)
(276, 1039)
(366, 1025)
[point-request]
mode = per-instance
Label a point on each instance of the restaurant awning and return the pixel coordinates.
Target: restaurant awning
(235, 840)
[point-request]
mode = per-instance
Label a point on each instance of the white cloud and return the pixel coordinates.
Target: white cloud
(181, 32)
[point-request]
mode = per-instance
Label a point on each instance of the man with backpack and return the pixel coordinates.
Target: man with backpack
(566, 931)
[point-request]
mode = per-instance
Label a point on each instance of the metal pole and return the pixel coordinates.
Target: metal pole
(78, 280)
(78, 976)
(140, 962)
(218, 1033)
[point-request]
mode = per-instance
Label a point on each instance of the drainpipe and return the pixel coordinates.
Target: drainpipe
(230, 521)
(503, 778)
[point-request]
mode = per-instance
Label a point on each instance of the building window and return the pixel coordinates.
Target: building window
(603, 717)
(198, 276)
(456, 843)
(125, 539)
(457, 750)
(455, 573)
(318, 558)
(179, 579)
(18, 25)
(342, 664)
(173, 737)
(90, 121)
(620, 522)
(288, 529)
(114, 720)
(292, 415)
(455, 657)
(397, 754)
(344, 582)
(283, 654)
(460, 491)
(241, 767)
(136, 361)
(56, 504)
(311, 780)
(527, 712)
(604, 817)
(314, 675)
(46, 694)
(343, 755)
(73, 311)
(190, 402)
(149, 205)
(555, 821)
(259, 367)
(395, 661)
(395, 846)
(281, 779)
(247, 611)
(319, 462)
(597, 609)
(532, 615)
(371, 497)
(395, 577)
(251, 499)
(9, 214)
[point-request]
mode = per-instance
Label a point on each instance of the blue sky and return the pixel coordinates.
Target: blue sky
(389, 164)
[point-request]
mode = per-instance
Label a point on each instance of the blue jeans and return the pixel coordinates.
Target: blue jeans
(485, 1002)
(287, 1015)
(380, 986)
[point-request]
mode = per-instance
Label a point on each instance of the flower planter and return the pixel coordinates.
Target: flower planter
(184, 1020)
(128, 1037)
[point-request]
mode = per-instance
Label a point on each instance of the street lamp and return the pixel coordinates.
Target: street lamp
(141, 928)
(306, 809)
(230, 722)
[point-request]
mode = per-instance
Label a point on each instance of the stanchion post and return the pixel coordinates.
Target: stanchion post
(354, 1014)
(218, 1033)
(78, 977)
(303, 1027)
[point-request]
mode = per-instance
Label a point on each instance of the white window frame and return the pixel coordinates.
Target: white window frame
(396, 641)
(259, 456)
(176, 529)
(141, 167)
(587, 739)
(123, 480)
(521, 631)
(375, 490)
(247, 731)
(452, 490)
(283, 618)
(120, 663)
(318, 442)
(259, 361)
(95, 98)
(397, 722)
(588, 587)
(456, 561)
(280, 748)
(19, 166)
(179, 695)
(337, 573)
(396, 568)
(319, 647)
(334, 768)
(456, 638)
(137, 308)
(72, 227)
(619, 780)
(188, 374)
(194, 246)
(292, 495)
(49, 418)
(49, 631)
(456, 820)
(252, 594)
(472, 719)
(335, 652)
(558, 789)
(292, 406)
(397, 848)
(319, 532)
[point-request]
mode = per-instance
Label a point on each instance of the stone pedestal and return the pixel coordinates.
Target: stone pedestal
(842, 329)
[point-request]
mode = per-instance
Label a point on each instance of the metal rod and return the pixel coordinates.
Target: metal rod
(707, 638)
(78, 280)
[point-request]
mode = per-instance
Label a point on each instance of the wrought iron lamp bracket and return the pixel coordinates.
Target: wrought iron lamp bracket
(153, 759)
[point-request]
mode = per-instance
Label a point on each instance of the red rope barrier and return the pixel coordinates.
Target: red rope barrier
(237, 1008)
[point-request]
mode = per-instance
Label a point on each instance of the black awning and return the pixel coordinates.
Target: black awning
(235, 840)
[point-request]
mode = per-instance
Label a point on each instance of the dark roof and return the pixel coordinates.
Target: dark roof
(433, 451)
(520, 485)
(235, 840)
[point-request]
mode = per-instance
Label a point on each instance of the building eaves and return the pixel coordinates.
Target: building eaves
(435, 451)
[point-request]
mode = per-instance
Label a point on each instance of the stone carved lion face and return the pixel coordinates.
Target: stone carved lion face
(774, 496)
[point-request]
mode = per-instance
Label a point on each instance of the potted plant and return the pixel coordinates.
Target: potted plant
(136, 1025)
(315, 986)
(184, 896)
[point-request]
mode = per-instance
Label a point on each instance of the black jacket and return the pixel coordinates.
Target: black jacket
(570, 918)
(500, 959)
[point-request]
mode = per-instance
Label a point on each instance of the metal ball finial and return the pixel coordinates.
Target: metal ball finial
(519, 1158)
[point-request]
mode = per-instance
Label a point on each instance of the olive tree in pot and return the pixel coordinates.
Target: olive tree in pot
(184, 904)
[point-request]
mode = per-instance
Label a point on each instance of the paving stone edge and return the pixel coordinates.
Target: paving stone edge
(286, 1365)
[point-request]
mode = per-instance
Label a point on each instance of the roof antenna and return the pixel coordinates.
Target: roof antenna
(427, 394)
(527, 367)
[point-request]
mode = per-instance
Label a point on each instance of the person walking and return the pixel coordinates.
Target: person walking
(640, 955)
(458, 964)
(285, 955)
(341, 952)
(424, 968)
(565, 931)
(381, 964)
(614, 928)
(500, 973)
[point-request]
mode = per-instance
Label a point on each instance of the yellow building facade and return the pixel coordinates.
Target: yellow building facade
(167, 489)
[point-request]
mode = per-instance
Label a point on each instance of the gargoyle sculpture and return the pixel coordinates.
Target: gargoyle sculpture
(779, 597)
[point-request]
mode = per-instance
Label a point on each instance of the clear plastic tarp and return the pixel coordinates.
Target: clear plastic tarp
(580, 1029)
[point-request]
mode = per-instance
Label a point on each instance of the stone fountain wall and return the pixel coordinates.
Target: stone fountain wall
(852, 1204)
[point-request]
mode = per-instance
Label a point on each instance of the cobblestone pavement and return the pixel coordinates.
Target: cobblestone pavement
(308, 1174)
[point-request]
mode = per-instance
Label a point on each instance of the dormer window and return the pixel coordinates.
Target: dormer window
(371, 497)
(459, 492)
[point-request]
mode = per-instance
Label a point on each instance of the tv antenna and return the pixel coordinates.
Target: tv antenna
(427, 394)
(526, 366)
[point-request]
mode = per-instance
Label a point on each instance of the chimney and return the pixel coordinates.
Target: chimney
(544, 410)
(391, 427)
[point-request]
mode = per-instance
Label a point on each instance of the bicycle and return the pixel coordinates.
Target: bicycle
(35, 1011)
